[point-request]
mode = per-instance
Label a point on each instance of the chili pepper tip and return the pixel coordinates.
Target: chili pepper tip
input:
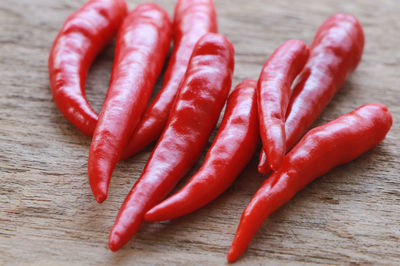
(159, 213)
(263, 166)
(150, 217)
(99, 192)
(264, 169)
(114, 242)
(101, 198)
(232, 255)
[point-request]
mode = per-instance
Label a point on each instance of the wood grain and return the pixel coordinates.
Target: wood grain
(47, 212)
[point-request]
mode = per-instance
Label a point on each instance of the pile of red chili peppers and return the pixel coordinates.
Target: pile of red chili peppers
(294, 86)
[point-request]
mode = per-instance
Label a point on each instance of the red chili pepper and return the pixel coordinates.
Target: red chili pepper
(193, 19)
(142, 46)
(83, 35)
(230, 152)
(274, 88)
(320, 150)
(334, 54)
(192, 118)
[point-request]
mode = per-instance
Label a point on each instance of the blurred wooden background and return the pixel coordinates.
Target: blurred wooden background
(48, 214)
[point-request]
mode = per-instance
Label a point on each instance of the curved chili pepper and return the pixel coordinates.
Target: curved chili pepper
(192, 118)
(230, 152)
(83, 35)
(334, 54)
(274, 88)
(320, 150)
(142, 46)
(193, 19)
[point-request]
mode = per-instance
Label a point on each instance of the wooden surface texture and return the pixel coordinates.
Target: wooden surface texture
(49, 216)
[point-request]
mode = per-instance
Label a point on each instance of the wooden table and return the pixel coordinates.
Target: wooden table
(48, 214)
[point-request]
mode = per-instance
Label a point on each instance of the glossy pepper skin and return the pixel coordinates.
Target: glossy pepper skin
(334, 54)
(230, 152)
(83, 35)
(320, 150)
(192, 19)
(193, 116)
(274, 89)
(142, 46)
